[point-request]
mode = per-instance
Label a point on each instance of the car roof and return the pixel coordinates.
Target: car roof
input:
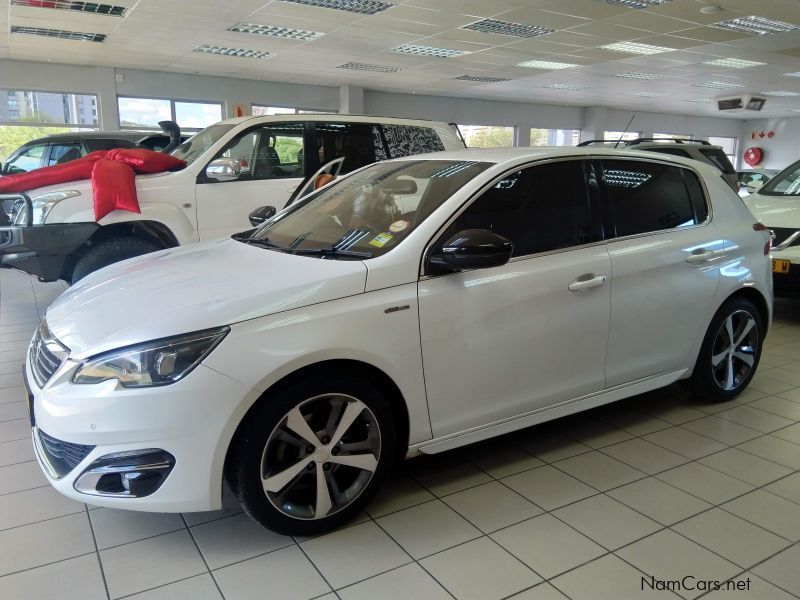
(101, 135)
(325, 117)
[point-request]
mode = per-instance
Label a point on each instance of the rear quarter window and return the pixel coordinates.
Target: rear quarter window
(407, 140)
(717, 158)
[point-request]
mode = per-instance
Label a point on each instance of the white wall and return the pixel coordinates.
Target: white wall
(782, 149)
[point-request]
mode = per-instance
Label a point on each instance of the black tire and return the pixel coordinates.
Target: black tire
(108, 252)
(260, 446)
(711, 383)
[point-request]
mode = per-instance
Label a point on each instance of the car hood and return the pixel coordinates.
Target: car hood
(192, 288)
(775, 211)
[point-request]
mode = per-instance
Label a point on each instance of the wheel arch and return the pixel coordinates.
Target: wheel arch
(757, 298)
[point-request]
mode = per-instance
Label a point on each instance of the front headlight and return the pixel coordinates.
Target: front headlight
(159, 362)
(42, 205)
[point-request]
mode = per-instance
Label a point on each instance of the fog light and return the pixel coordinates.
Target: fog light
(131, 474)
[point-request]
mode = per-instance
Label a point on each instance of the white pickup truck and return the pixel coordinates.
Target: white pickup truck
(234, 167)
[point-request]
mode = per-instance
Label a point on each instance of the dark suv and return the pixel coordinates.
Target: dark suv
(64, 147)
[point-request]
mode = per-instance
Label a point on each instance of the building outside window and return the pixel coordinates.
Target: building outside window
(145, 113)
(487, 136)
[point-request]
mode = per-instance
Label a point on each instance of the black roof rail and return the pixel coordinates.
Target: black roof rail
(675, 140)
(593, 142)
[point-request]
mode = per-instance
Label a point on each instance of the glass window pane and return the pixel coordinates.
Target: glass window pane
(487, 136)
(672, 136)
(259, 110)
(626, 136)
(27, 160)
(13, 136)
(143, 112)
(270, 152)
(555, 137)
(48, 107)
(355, 141)
(539, 209)
(61, 153)
(197, 115)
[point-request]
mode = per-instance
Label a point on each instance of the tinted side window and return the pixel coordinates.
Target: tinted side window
(672, 151)
(698, 197)
(647, 196)
(65, 152)
(273, 151)
(540, 208)
(407, 140)
(717, 158)
(354, 141)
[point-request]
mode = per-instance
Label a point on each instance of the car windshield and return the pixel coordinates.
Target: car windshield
(785, 183)
(367, 213)
(192, 148)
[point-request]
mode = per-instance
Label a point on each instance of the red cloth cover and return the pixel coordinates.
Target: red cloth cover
(111, 171)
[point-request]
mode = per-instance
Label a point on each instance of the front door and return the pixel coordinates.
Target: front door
(499, 342)
(272, 166)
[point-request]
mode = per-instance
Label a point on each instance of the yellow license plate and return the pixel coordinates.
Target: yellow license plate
(780, 266)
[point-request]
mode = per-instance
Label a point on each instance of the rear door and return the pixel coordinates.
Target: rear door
(665, 257)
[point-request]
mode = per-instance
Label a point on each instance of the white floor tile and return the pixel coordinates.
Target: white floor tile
(645, 456)
(30, 506)
(705, 483)
(782, 570)
(405, 583)
(73, 579)
(745, 466)
(233, 539)
(607, 578)
(548, 487)
(113, 527)
(199, 587)
(659, 501)
(778, 515)
(599, 471)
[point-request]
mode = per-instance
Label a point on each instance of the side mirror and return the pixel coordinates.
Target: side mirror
(474, 249)
(223, 169)
(261, 214)
(754, 186)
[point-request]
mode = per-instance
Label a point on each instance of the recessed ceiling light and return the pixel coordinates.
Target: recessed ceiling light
(427, 51)
(480, 79)
(697, 100)
(90, 7)
(734, 63)
(275, 31)
(634, 48)
(569, 86)
(508, 28)
(634, 75)
(638, 3)
(361, 7)
(717, 85)
(545, 64)
(239, 52)
(357, 66)
(781, 93)
(60, 34)
(756, 25)
(647, 94)
(795, 74)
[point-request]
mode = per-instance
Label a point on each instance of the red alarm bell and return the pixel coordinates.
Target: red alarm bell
(753, 156)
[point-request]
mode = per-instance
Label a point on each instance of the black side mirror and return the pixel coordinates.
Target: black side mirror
(261, 214)
(474, 249)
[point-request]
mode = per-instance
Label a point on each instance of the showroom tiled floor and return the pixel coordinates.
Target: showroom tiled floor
(580, 508)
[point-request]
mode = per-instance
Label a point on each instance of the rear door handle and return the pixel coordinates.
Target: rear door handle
(698, 257)
(587, 282)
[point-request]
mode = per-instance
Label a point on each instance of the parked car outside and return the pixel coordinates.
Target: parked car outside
(233, 167)
(531, 283)
(777, 205)
(751, 180)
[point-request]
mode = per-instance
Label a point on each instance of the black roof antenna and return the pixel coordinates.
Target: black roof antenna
(624, 132)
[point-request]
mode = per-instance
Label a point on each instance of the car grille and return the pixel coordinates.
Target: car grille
(46, 355)
(781, 233)
(62, 456)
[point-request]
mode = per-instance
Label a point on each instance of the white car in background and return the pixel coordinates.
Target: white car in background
(777, 205)
(750, 181)
(414, 306)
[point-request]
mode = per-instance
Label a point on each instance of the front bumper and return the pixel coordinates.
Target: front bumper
(192, 420)
(40, 250)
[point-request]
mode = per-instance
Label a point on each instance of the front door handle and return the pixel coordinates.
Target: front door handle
(587, 282)
(698, 257)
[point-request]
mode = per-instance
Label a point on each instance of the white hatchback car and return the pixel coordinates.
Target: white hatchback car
(413, 306)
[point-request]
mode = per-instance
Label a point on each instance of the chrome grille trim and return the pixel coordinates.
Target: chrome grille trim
(60, 457)
(46, 354)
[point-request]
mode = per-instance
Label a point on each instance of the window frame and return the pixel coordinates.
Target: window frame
(172, 102)
(609, 224)
(595, 205)
(87, 126)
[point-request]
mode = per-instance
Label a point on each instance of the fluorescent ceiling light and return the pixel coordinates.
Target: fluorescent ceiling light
(734, 63)
(634, 48)
(634, 75)
(756, 25)
(781, 93)
(638, 3)
(357, 66)
(795, 74)
(647, 94)
(60, 34)
(361, 7)
(239, 52)
(480, 79)
(508, 28)
(276, 31)
(545, 64)
(569, 86)
(427, 51)
(697, 100)
(89, 7)
(717, 85)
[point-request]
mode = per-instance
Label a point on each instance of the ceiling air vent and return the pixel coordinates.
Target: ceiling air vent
(743, 102)
(288, 33)
(238, 52)
(480, 79)
(756, 25)
(88, 7)
(361, 7)
(357, 66)
(507, 28)
(638, 3)
(60, 34)
(427, 51)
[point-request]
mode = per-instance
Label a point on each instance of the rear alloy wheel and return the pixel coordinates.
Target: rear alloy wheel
(307, 465)
(730, 352)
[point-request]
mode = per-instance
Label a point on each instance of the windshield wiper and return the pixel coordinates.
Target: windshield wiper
(265, 243)
(331, 251)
